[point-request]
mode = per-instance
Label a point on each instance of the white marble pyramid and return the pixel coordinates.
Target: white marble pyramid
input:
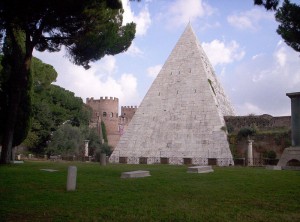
(180, 118)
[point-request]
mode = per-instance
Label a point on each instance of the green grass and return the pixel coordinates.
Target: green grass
(170, 194)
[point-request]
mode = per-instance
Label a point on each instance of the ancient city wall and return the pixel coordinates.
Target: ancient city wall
(262, 122)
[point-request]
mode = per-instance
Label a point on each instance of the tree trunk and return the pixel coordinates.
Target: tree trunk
(10, 122)
(18, 82)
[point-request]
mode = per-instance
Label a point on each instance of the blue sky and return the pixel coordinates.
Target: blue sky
(255, 67)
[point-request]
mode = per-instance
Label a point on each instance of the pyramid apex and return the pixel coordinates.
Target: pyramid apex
(189, 27)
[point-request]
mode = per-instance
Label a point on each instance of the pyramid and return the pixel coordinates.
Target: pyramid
(181, 118)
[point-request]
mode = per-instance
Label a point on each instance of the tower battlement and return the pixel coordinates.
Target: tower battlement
(128, 108)
(102, 99)
(127, 112)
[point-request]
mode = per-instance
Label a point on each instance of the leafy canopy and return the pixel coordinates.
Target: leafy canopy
(89, 29)
(289, 20)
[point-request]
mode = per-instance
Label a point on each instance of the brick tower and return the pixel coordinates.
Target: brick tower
(106, 109)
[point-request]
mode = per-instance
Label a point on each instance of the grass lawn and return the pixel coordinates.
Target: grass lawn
(170, 194)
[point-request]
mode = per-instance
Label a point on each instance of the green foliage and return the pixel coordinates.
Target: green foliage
(67, 140)
(104, 134)
(246, 132)
(210, 83)
(230, 128)
(289, 24)
(268, 4)
(95, 142)
(52, 106)
(269, 154)
(107, 149)
(89, 30)
(10, 88)
(233, 150)
(287, 15)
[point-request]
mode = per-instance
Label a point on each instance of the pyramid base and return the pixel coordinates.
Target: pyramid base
(172, 160)
(290, 157)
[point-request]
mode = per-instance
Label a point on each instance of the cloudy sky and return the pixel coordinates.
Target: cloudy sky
(255, 67)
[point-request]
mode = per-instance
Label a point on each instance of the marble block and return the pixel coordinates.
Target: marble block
(200, 169)
(135, 174)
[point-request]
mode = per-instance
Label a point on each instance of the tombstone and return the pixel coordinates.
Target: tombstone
(249, 153)
(71, 179)
(135, 174)
(30, 156)
(103, 159)
(200, 169)
(86, 147)
(293, 152)
(272, 167)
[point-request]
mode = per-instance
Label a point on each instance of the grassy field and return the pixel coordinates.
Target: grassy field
(170, 194)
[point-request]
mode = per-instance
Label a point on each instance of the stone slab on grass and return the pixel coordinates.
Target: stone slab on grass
(271, 167)
(200, 169)
(49, 170)
(135, 174)
(17, 161)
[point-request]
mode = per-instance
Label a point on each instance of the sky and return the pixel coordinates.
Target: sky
(254, 65)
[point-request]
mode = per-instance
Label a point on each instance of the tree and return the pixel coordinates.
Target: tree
(88, 29)
(289, 20)
(268, 4)
(67, 140)
(247, 132)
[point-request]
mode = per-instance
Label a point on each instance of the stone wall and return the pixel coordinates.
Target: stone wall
(263, 143)
(262, 122)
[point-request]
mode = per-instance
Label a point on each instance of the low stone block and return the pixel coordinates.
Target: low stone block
(135, 174)
(17, 161)
(271, 167)
(200, 169)
(49, 170)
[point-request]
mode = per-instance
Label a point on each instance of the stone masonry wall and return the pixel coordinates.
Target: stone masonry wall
(262, 122)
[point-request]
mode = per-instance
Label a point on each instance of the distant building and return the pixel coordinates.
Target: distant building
(106, 109)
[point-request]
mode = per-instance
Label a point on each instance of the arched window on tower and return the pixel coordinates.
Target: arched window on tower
(111, 114)
(104, 114)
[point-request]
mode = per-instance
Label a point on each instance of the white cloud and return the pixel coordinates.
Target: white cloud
(182, 11)
(108, 65)
(153, 71)
(134, 50)
(249, 20)
(96, 82)
(260, 84)
(248, 108)
(220, 52)
(142, 19)
(281, 55)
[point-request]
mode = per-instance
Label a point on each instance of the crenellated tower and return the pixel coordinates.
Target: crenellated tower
(127, 112)
(106, 109)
